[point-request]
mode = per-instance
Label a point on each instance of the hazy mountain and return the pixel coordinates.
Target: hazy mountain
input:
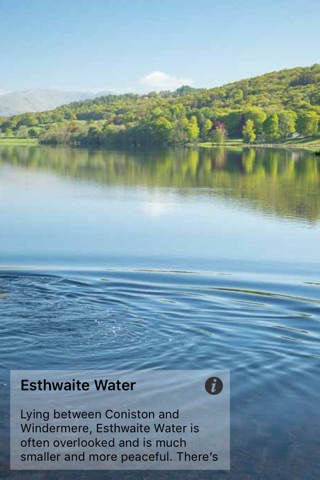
(38, 100)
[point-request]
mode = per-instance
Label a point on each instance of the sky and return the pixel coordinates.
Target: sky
(146, 45)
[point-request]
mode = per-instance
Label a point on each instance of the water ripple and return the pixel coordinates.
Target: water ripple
(145, 315)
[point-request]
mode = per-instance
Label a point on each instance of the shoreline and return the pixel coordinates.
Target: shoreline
(229, 144)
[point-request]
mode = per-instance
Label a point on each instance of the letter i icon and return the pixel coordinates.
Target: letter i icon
(213, 386)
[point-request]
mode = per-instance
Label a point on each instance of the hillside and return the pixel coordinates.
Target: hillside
(290, 88)
(262, 109)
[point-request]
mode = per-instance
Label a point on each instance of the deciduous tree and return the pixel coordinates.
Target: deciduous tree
(248, 131)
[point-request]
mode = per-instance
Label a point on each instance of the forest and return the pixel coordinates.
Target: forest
(260, 110)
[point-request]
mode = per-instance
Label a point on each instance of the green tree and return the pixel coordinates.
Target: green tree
(162, 129)
(207, 128)
(22, 132)
(258, 116)
(248, 131)
(271, 127)
(8, 132)
(307, 123)
(218, 133)
(237, 95)
(157, 112)
(287, 122)
(33, 133)
(179, 132)
(192, 129)
(232, 122)
(28, 120)
(70, 115)
(8, 124)
(218, 136)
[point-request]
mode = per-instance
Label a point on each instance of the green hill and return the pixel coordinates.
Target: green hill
(262, 109)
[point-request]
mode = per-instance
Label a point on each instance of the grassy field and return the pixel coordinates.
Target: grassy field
(18, 141)
(307, 142)
(233, 142)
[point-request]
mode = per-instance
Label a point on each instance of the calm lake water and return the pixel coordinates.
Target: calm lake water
(173, 260)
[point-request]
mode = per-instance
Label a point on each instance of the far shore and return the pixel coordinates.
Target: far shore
(309, 143)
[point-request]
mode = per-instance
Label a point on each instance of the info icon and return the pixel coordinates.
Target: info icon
(214, 385)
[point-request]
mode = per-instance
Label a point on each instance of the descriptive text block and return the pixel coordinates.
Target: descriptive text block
(120, 420)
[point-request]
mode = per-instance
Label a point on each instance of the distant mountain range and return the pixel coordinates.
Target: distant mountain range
(38, 100)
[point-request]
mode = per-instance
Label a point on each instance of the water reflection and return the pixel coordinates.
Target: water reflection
(277, 182)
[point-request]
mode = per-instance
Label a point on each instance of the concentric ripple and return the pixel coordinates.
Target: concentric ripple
(144, 319)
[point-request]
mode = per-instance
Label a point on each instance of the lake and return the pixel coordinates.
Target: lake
(174, 259)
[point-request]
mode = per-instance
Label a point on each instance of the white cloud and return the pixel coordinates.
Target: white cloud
(162, 81)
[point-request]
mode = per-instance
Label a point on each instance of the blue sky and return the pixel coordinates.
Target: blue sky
(143, 45)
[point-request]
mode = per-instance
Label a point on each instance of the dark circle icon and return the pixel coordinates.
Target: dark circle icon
(214, 385)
